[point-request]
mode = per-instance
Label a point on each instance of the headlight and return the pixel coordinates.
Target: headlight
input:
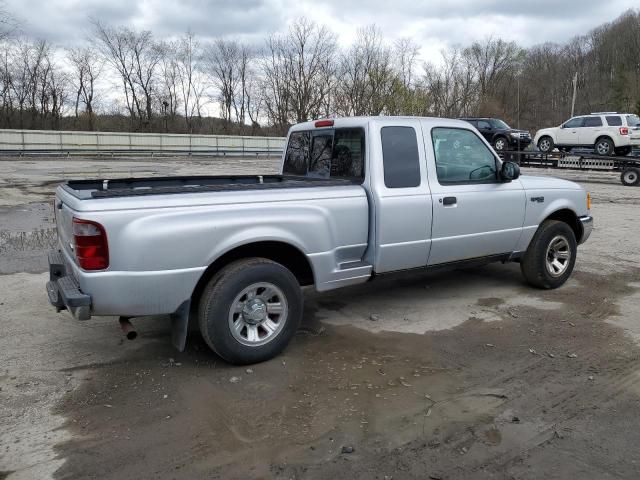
(514, 134)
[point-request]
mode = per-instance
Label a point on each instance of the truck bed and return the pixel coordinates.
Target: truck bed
(125, 187)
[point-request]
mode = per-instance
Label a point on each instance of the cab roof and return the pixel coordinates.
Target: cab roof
(354, 122)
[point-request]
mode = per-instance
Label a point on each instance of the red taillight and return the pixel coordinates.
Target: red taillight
(324, 123)
(90, 245)
(624, 131)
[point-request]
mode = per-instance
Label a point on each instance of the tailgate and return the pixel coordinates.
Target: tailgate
(64, 225)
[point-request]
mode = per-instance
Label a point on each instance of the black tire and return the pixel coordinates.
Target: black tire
(534, 264)
(219, 296)
(630, 177)
(604, 146)
(500, 144)
(623, 151)
(545, 144)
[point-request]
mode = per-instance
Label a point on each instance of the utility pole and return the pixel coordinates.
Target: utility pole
(518, 119)
(575, 89)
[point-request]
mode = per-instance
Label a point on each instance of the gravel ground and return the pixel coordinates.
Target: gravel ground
(468, 374)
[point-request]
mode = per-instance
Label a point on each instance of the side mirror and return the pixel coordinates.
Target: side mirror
(509, 171)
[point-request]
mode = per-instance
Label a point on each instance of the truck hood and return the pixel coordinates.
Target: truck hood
(534, 182)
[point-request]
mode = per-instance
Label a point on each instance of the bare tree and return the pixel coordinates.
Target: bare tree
(451, 87)
(168, 83)
(298, 72)
(86, 67)
(188, 57)
(135, 57)
(221, 65)
(367, 75)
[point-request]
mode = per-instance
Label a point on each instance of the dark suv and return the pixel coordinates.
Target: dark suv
(500, 135)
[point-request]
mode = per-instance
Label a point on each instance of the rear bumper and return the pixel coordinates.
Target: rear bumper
(587, 227)
(63, 290)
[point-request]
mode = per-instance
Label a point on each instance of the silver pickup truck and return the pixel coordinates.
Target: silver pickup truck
(357, 198)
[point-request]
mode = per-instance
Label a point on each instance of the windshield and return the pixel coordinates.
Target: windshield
(633, 120)
(499, 124)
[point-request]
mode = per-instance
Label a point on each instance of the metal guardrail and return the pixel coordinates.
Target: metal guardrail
(38, 142)
(135, 153)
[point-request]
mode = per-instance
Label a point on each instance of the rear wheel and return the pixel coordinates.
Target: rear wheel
(604, 146)
(623, 151)
(551, 256)
(630, 177)
(250, 310)
(545, 144)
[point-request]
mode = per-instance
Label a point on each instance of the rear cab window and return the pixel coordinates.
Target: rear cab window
(328, 153)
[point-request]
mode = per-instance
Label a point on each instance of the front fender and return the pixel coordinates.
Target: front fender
(543, 203)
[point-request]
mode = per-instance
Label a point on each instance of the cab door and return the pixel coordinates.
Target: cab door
(401, 196)
(475, 214)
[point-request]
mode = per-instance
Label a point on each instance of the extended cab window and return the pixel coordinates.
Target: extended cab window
(400, 157)
(461, 157)
(592, 122)
(326, 153)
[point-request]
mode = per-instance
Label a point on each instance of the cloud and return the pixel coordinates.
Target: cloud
(432, 24)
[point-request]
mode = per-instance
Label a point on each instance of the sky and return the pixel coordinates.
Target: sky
(433, 25)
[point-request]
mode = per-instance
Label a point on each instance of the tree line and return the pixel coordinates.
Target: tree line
(122, 79)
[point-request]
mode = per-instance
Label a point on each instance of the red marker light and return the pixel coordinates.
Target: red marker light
(324, 123)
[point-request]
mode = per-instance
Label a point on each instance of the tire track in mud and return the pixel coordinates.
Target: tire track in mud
(617, 375)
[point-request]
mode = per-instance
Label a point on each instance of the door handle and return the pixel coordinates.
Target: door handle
(449, 201)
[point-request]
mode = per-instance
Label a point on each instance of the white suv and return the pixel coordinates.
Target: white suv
(607, 133)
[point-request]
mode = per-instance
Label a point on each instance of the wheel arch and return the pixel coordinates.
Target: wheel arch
(546, 135)
(569, 217)
(281, 252)
(608, 137)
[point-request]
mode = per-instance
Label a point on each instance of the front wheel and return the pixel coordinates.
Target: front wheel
(545, 144)
(630, 177)
(250, 310)
(551, 256)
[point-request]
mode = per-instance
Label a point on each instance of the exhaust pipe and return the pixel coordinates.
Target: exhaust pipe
(128, 328)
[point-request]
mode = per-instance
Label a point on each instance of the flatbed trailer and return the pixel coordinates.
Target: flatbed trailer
(628, 166)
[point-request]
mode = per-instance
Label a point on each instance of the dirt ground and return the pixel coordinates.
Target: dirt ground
(468, 374)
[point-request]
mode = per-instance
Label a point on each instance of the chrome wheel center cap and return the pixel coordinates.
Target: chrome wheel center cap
(254, 311)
